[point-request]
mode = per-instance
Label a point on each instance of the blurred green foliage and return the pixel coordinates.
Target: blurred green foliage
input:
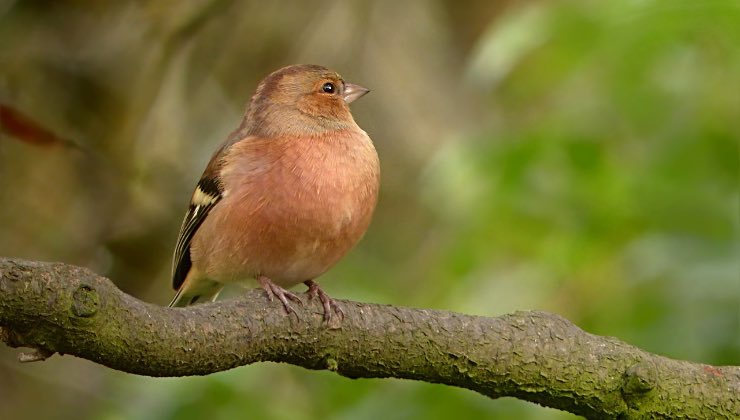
(570, 156)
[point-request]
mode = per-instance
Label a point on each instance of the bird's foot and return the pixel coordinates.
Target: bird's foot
(273, 290)
(329, 304)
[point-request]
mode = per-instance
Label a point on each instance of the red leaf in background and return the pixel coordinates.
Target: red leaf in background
(22, 127)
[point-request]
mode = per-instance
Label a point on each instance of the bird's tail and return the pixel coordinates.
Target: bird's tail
(187, 296)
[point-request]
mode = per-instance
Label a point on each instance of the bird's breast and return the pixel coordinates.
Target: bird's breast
(292, 210)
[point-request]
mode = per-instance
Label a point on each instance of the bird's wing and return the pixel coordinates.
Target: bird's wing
(207, 194)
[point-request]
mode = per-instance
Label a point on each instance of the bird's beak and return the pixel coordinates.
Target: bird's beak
(353, 92)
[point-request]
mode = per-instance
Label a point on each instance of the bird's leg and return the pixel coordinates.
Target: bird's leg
(274, 290)
(329, 304)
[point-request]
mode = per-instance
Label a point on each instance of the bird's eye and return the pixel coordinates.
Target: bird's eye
(329, 87)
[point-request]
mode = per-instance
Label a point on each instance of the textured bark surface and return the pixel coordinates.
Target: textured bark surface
(534, 356)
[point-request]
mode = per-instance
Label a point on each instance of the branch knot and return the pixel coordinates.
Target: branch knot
(638, 380)
(85, 301)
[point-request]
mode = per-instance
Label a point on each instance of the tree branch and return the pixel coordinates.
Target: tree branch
(534, 356)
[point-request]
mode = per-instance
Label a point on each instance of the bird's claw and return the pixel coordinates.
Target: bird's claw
(273, 291)
(328, 303)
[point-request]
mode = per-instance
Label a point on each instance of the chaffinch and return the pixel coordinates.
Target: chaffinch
(288, 194)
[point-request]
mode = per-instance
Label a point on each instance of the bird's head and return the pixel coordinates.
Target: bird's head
(302, 99)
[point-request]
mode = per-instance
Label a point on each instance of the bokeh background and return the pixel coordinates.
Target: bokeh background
(577, 157)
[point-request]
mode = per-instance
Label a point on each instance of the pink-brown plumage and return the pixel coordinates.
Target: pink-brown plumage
(294, 207)
(286, 197)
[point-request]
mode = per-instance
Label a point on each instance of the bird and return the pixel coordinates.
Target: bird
(285, 197)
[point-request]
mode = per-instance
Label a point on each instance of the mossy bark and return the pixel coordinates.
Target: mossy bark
(534, 356)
